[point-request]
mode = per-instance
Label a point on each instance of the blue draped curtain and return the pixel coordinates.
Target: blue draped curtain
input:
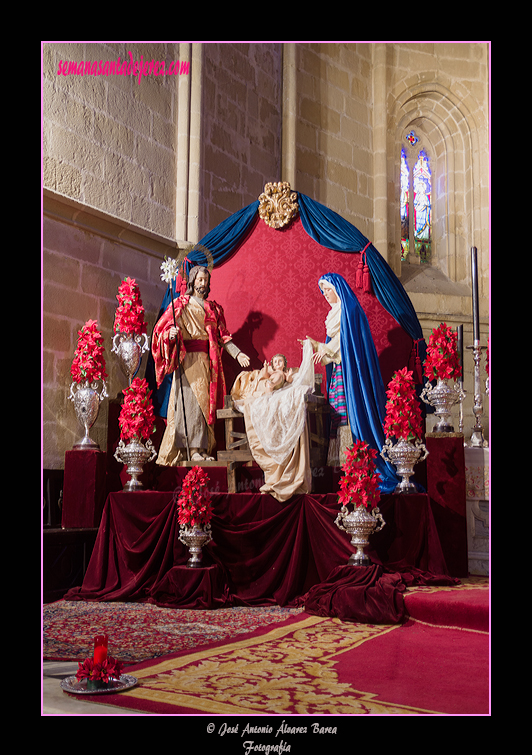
(223, 240)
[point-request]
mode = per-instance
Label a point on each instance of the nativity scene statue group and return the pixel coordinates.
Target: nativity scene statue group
(191, 335)
(262, 368)
(188, 342)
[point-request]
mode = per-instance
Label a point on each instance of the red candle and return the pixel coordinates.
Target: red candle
(100, 648)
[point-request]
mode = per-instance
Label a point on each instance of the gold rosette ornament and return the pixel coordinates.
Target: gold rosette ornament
(278, 204)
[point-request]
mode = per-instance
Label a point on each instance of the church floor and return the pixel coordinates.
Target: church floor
(55, 702)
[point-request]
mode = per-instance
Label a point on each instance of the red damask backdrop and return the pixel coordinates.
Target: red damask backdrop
(270, 294)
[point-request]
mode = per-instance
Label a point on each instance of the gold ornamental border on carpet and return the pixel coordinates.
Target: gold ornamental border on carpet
(290, 670)
(473, 582)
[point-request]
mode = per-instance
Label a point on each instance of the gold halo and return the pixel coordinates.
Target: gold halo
(197, 248)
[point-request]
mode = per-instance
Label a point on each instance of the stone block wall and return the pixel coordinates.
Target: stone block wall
(334, 159)
(241, 126)
(85, 257)
(108, 140)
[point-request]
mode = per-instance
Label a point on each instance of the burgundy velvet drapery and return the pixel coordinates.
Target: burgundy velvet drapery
(83, 488)
(262, 552)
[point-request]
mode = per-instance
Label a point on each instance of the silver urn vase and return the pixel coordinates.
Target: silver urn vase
(129, 348)
(134, 455)
(404, 455)
(442, 397)
(195, 538)
(360, 524)
(87, 399)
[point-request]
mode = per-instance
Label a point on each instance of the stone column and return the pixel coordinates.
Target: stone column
(289, 115)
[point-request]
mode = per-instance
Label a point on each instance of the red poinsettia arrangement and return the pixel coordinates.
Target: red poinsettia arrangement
(194, 502)
(105, 671)
(443, 359)
(129, 316)
(137, 418)
(403, 412)
(89, 363)
(360, 483)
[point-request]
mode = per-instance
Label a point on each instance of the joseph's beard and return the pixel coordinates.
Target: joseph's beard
(200, 291)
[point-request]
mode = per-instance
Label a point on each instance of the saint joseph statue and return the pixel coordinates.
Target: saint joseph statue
(192, 344)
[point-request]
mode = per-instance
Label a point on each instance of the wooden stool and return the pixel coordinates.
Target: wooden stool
(237, 450)
(317, 408)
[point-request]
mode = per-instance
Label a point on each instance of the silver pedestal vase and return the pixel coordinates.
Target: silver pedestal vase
(134, 455)
(404, 455)
(442, 397)
(87, 399)
(130, 347)
(360, 524)
(195, 538)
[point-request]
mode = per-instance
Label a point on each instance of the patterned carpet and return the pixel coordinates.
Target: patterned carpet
(141, 631)
(315, 666)
(283, 661)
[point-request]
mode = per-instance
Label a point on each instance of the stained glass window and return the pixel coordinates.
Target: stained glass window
(416, 203)
(422, 207)
(405, 202)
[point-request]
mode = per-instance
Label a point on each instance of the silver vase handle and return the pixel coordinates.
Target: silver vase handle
(424, 393)
(339, 519)
(119, 447)
(103, 393)
(151, 447)
(422, 447)
(72, 395)
(376, 514)
(384, 450)
(146, 345)
(115, 342)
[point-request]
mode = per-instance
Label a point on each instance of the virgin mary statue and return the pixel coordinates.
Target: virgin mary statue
(354, 381)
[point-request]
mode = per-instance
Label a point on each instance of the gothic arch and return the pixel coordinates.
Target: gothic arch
(448, 128)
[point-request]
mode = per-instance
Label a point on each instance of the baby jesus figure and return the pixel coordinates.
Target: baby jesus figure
(272, 401)
(273, 376)
(277, 365)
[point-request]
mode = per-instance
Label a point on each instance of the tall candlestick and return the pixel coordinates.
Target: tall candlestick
(460, 344)
(474, 279)
(477, 436)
